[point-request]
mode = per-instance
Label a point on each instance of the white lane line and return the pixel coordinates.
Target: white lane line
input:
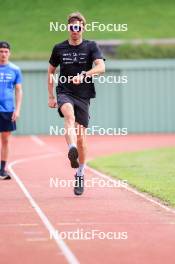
(37, 140)
(41, 143)
(37, 239)
(15, 211)
(128, 188)
(28, 224)
(14, 225)
(71, 259)
(115, 223)
(33, 232)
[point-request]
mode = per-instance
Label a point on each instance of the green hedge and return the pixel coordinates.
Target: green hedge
(145, 51)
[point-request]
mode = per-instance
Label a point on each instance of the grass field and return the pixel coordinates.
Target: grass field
(26, 23)
(151, 171)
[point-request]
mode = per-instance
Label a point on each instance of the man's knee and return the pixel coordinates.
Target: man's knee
(5, 138)
(68, 112)
(70, 118)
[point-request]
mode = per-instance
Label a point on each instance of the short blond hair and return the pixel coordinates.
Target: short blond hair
(76, 16)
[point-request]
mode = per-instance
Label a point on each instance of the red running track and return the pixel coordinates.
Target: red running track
(25, 237)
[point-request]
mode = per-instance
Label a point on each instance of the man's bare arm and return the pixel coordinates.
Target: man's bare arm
(51, 100)
(18, 99)
(98, 69)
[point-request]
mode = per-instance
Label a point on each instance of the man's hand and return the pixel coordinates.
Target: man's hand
(77, 79)
(52, 102)
(15, 115)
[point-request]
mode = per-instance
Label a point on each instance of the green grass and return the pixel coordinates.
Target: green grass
(151, 171)
(25, 24)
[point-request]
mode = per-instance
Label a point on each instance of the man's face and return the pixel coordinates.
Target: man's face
(4, 55)
(75, 29)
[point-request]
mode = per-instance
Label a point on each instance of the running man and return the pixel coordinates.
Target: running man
(10, 81)
(76, 57)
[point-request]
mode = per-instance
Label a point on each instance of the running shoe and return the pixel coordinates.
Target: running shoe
(79, 185)
(73, 157)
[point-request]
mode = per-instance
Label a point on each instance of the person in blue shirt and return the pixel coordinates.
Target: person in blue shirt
(10, 102)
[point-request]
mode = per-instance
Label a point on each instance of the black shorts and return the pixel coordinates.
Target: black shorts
(81, 107)
(6, 123)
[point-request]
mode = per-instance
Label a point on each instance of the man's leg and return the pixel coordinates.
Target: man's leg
(69, 123)
(5, 137)
(82, 148)
(71, 138)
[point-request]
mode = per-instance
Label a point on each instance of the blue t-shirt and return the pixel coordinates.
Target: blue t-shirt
(10, 75)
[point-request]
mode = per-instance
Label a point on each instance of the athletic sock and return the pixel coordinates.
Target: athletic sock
(80, 170)
(71, 146)
(3, 163)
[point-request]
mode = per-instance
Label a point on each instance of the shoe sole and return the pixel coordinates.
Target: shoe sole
(78, 190)
(5, 177)
(78, 193)
(73, 156)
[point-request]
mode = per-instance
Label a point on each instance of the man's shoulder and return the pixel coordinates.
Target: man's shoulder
(65, 44)
(13, 66)
(86, 41)
(62, 44)
(89, 43)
